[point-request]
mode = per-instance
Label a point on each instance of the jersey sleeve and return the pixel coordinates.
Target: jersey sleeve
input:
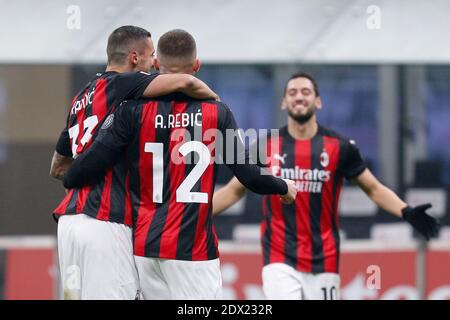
(243, 167)
(63, 144)
(353, 163)
(131, 85)
(118, 128)
(233, 150)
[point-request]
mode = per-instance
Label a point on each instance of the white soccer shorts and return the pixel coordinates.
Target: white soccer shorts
(96, 259)
(282, 282)
(164, 279)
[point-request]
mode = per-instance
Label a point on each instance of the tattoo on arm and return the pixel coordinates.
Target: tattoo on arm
(60, 165)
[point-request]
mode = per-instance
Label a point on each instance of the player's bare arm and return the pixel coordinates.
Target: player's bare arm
(385, 198)
(185, 83)
(234, 191)
(59, 166)
(225, 197)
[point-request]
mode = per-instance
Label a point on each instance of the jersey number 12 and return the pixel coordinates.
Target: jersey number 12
(183, 193)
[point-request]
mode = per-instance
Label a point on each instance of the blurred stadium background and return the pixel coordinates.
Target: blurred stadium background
(383, 68)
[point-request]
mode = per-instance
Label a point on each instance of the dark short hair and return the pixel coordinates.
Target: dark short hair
(122, 40)
(303, 75)
(177, 43)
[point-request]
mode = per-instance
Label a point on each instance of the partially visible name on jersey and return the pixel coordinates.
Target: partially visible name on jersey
(83, 102)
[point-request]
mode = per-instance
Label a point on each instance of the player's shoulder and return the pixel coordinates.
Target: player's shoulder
(127, 75)
(92, 81)
(124, 78)
(129, 107)
(108, 76)
(220, 105)
(327, 132)
(132, 104)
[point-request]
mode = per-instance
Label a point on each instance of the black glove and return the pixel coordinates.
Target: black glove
(425, 224)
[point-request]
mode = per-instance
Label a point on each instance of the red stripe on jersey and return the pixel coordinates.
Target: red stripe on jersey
(83, 194)
(177, 172)
(128, 206)
(99, 105)
(277, 223)
(302, 210)
(105, 202)
(147, 207)
(209, 121)
(61, 209)
(331, 147)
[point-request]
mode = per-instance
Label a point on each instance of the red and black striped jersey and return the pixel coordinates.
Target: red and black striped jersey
(306, 235)
(171, 145)
(169, 149)
(88, 111)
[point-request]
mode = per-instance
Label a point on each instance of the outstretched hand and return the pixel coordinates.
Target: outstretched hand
(425, 224)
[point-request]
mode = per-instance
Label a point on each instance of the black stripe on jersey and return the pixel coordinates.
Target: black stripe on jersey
(72, 206)
(111, 94)
(289, 211)
(315, 209)
(267, 236)
(337, 178)
(133, 155)
(117, 193)
(155, 231)
(94, 199)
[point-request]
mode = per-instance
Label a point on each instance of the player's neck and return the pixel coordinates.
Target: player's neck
(176, 70)
(303, 131)
(116, 68)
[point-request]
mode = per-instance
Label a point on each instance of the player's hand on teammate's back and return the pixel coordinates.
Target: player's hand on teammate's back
(289, 197)
(425, 224)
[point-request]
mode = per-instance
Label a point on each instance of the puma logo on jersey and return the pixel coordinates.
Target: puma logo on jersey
(282, 159)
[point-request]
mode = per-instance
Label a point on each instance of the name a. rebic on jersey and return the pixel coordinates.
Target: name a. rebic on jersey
(179, 120)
